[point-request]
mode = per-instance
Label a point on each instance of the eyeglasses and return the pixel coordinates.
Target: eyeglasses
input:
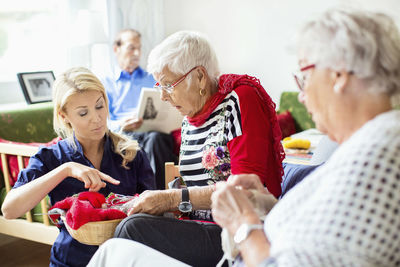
(299, 77)
(169, 88)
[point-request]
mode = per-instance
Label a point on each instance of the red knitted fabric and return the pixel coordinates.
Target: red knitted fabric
(86, 208)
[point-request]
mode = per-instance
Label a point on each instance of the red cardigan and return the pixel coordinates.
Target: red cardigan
(253, 151)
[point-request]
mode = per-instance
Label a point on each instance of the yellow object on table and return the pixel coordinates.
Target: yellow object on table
(296, 143)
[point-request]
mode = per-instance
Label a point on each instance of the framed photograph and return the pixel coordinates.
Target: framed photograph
(36, 86)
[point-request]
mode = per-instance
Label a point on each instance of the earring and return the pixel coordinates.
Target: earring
(202, 92)
(336, 88)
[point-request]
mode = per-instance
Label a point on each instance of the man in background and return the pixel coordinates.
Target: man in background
(123, 88)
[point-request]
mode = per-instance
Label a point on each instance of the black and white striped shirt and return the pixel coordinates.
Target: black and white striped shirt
(223, 125)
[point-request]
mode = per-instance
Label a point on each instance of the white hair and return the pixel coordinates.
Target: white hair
(364, 43)
(183, 51)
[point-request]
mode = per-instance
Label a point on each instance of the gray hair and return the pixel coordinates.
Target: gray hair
(365, 43)
(183, 51)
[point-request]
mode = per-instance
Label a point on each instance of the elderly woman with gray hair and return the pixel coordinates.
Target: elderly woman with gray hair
(230, 127)
(346, 213)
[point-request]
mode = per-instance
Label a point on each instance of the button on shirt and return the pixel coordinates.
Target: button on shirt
(123, 92)
(66, 251)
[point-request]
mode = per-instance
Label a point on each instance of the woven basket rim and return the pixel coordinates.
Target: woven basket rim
(83, 234)
(91, 223)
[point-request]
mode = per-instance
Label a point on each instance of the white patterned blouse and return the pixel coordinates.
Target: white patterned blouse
(346, 213)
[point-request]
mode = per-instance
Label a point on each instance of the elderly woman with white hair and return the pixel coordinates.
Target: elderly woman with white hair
(346, 213)
(230, 127)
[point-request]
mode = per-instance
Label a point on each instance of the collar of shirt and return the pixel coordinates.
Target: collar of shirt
(78, 153)
(120, 74)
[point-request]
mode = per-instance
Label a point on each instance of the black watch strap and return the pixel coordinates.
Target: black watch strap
(185, 194)
(185, 206)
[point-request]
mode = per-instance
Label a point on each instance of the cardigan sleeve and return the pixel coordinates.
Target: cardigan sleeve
(252, 152)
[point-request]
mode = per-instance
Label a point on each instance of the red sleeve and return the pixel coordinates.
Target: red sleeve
(253, 151)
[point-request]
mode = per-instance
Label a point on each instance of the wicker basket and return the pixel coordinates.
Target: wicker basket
(93, 233)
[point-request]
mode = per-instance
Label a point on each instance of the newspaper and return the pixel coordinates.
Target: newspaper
(157, 115)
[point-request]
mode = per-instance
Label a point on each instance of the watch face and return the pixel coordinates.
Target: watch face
(185, 207)
(241, 234)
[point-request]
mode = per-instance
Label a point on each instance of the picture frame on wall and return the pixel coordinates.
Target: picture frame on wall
(36, 86)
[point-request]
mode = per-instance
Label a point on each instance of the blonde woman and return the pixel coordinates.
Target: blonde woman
(90, 157)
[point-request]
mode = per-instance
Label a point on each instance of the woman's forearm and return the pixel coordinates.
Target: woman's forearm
(255, 248)
(199, 196)
(24, 198)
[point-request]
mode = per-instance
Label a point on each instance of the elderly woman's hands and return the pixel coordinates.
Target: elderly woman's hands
(231, 204)
(91, 177)
(155, 202)
(231, 207)
(248, 181)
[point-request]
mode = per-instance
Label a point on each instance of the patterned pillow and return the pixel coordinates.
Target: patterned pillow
(289, 101)
(286, 123)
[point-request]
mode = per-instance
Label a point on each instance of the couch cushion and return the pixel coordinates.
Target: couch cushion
(13, 162)
(32, 123)
(298, 111)
(286, 123)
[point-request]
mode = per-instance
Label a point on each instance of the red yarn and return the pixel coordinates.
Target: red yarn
(86, 208)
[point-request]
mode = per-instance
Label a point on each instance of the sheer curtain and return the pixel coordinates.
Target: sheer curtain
(145, 16)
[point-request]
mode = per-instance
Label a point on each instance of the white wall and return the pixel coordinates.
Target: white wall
(249, 36)
(253, 36)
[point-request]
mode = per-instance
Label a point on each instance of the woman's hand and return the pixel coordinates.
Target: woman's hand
(248, 181)
(92, 178)
(154, 202)
(231, 207)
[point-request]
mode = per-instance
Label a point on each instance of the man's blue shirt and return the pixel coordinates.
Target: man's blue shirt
(123, 92)
(66, 251)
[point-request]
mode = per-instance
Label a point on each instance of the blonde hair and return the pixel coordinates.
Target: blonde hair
(76, 81)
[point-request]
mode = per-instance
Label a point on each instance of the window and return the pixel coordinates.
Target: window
(33, 37)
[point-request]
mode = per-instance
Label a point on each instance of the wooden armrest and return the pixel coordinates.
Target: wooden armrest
(171, 172)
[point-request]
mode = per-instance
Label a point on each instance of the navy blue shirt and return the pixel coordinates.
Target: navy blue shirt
(66, 251)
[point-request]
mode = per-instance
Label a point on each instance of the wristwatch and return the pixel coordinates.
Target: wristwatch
(244, 230)
(185, 206)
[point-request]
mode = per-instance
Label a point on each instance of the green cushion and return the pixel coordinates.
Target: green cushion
(298, 111)
(32, 123)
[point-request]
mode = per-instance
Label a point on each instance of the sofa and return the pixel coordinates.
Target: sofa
(22, 131)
